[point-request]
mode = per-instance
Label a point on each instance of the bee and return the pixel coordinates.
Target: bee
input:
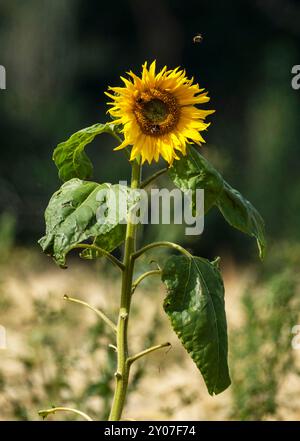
(197, 38)
(155, 129)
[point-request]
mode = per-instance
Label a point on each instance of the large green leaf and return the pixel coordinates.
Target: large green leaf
(194, 172)
(241, 214)
(82, 210)
(195, 306)
(69, 156)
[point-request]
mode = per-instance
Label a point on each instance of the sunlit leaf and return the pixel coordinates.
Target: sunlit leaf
(194, 172)
(241, 214)
(82, 210)
(108, 242)
(70, 157)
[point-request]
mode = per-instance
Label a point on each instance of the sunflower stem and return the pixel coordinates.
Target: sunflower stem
(105, 253)
(163, 244)
(123, 368)
(152, 178)
(99, 313)
(146, 352)
(144, 276)
(45, 412)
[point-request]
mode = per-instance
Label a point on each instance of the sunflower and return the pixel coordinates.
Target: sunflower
(158, 113)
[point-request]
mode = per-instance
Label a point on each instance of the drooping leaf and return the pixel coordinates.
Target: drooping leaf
(82, 210)
(194, 172)
(107, 242)
(241, 214)
(70, 157)
(195, 306)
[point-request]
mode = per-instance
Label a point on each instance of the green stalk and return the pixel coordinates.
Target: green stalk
(123, 367)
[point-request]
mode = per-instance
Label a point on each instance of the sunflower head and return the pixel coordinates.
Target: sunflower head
(158, 113)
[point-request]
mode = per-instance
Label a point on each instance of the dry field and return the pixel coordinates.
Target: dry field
(57, 353)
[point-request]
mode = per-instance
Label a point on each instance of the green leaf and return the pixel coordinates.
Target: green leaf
(194, 172)
(69, 156)
(195, 306)
(241, 214)
(108, 242)
(82, 210)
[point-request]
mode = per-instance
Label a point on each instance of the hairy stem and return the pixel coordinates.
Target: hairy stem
(97, 311)
(152, 178)
(45, 412)
(122, 373)
(146, 352)
(109, 256)
(144, 276)
(163, 244)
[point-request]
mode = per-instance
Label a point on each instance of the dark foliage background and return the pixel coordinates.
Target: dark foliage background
(60, 56)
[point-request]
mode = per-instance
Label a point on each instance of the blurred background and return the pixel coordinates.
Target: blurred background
(60, 56)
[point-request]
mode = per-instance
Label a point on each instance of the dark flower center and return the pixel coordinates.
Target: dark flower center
(157, 112)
